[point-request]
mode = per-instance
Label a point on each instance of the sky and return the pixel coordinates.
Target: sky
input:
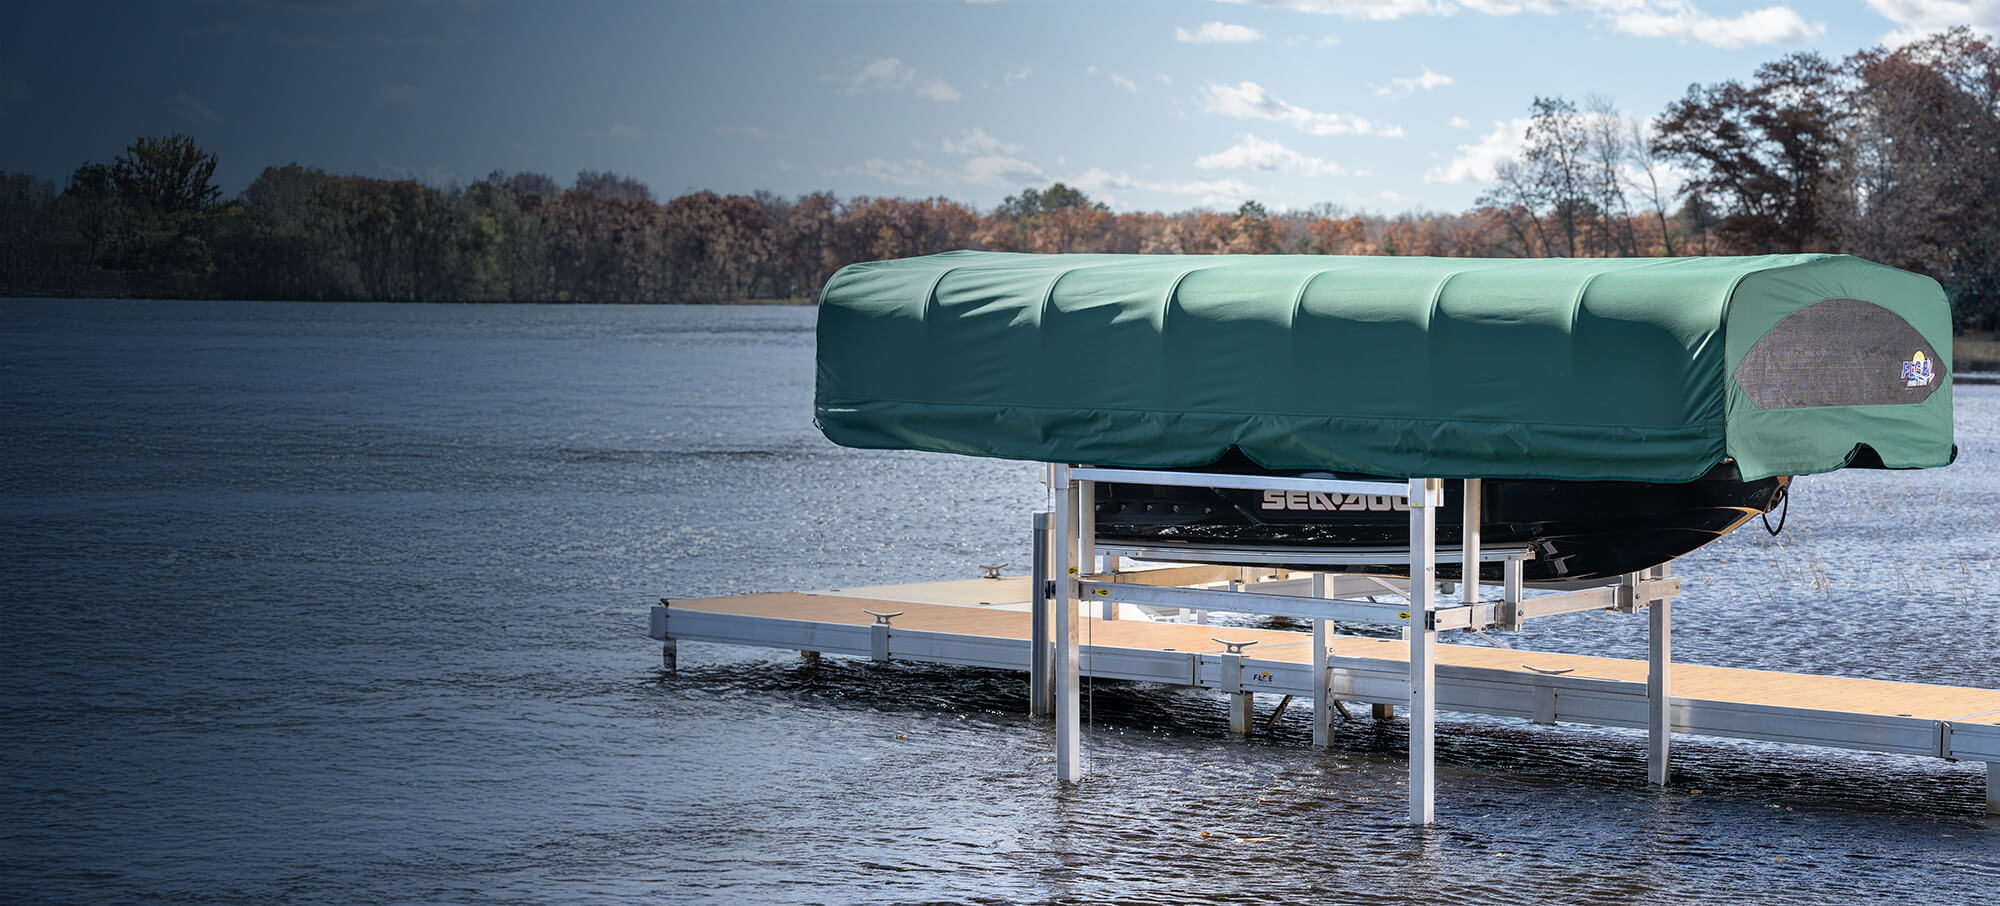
(1370, 105)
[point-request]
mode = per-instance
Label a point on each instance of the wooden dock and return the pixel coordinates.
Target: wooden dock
(986, 623)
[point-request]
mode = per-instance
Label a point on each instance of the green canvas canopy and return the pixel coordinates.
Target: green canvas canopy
(1586, 369)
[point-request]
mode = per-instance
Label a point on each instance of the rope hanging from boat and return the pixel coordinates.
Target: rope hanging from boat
(1784, 499)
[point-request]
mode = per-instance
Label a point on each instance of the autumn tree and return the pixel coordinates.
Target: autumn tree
(1919, 169)
(1760, 152)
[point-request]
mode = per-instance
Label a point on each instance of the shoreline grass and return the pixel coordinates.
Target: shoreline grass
(1975, 352)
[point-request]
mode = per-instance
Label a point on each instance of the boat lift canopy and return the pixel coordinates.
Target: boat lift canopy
(1584, 369)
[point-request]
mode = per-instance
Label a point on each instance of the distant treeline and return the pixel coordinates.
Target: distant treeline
(1890, 155)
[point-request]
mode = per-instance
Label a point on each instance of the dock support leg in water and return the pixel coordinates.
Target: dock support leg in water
(1242, 712)
(1041, 698)
(661, 618)
(1381, 711)
(1069, 728)
(1659, 688)
(1242, 702)
(1993, 788)
(1425, 495)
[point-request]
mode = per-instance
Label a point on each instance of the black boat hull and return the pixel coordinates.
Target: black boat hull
(1579, 530)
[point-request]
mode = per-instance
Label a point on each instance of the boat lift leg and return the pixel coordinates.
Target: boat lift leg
(1069, 744)
(1040, 697)
(1993, 788)
(1424, 499)
(1659, 687)
(1322, 678)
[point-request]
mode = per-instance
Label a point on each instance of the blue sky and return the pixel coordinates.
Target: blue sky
(1382, 105)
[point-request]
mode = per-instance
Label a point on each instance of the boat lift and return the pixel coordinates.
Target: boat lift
(1415, 369)
(1065, 543)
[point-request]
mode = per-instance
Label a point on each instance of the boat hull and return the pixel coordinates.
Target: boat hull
(1578, 530)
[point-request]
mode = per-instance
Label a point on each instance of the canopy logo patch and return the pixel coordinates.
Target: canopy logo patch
(1919, 372)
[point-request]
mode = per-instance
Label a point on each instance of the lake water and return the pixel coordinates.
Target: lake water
(346, 604)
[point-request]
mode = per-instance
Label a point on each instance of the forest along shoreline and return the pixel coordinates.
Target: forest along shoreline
(1893, 156)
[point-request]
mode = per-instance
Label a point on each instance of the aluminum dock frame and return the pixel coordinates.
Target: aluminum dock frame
(986, 623)
(1038, 624)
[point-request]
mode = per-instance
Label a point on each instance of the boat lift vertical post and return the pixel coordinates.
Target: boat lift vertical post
(1322, 678)
(1468, 575)
(1069, 742)
(1425, 496)
(1659, 684)
(1039, 701)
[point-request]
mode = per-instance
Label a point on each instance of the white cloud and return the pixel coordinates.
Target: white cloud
(1218, 192)
(1922, 17)
(1678, 19)
(1681, 21)
(1253, 153)
(1403, 87)
(1018, 75)
(984, 170)
(937, 90)
(1249, 101)
(1124, 83)
(889, 72)
(1459, 122)
(1476, 162)
(883, 72)
(1164, 78)
(745, 131)
(1356, 9)
(1218, 33)
(975, 141)
(994, 170)
(189, 107)
(622, 130)
(902, 172)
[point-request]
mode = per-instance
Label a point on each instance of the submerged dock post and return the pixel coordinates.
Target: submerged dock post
(1040, 700)
(1424, 499)
(1993, 788)
(1069, 728)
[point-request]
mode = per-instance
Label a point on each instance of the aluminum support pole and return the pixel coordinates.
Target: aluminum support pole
(1069, 728)
(1322, 683)
(1086, 540)
(1424, 499)
(1993, 788)
(1468, 576)
(1659, 687)
(1040, 695)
